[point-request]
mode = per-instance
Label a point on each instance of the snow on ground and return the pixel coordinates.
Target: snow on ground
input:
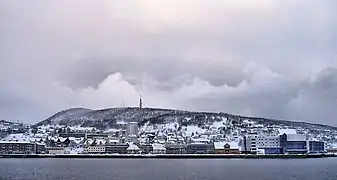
(158, 146)
(287, 131)
(20, 137)
(217, 124)
(133, 147)
(121, 122)
(78, 128)
(248, 122)
(194, 129)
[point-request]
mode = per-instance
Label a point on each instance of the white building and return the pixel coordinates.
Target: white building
(254, 143)
(132, 129)
(158, 148)
(55, 150)
(96, 147)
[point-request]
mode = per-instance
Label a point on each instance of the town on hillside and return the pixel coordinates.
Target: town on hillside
(223, 136)
(17, 138)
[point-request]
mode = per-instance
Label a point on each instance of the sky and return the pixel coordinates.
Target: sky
(264, 58)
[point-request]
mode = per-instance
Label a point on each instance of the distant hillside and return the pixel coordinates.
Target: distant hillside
(110, 118)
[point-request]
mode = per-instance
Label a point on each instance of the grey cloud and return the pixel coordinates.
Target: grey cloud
(262, 59)
(168, 73)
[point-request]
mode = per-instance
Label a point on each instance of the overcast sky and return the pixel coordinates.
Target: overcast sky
(266, 58)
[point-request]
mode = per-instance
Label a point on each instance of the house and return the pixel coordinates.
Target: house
(133, 149)
(96, 147)
(55, 150)
(200, 148)
(175, 148)
(40, 147)
(226, 148)
(158, 148)
(115, 147)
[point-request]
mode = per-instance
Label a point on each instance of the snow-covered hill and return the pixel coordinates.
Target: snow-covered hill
(177, 121)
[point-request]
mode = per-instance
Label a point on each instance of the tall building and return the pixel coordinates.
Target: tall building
(266, 144)
(293, 143)
(132, 129)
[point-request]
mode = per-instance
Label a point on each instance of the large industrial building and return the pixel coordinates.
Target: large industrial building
(287, 142)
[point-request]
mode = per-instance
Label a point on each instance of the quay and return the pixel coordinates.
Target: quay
(170, 156)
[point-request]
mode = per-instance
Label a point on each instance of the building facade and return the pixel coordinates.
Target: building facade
(158, 149)
(250, 143)
(116, 148)
(95, 149)
(225, 148)
(132, 129)
(175, 149)
(14, 147)
(316, 147)
(293, 144)
(55, 150)
(200, 148)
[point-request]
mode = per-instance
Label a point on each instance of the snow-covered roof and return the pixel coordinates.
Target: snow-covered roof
(158, 146)
(287, 131)
(15, 142)
(296, 137)
(62, 139)
(133, 147)
(113, 141)
(72, 138)
(78, 128)
(40, 143)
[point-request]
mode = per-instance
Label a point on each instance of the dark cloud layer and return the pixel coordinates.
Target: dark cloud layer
(264, 58)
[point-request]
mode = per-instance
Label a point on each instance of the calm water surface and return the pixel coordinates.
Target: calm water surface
(161, 169)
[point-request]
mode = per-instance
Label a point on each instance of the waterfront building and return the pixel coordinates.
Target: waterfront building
(55, 150)
(175, 148)
(95, 148)
(268, 144)
(316, 147)
(17, 147)
(133, 149)
(250, 143)
(293, 144)
(40, 148)
(116, 148)
(226, 148)
(158, 148)
(200, 148)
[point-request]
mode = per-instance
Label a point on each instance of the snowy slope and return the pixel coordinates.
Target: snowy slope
(183, 123)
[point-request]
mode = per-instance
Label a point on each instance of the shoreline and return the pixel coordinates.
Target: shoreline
(168, 156)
